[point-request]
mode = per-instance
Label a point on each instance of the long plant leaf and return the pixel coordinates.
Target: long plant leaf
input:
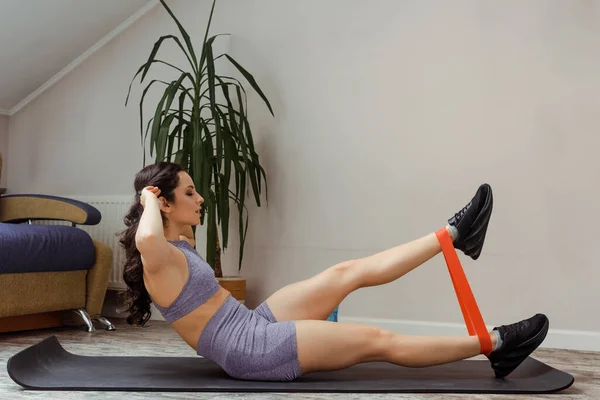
(144, 141)
(208, 156)
(252, 152)
(207, 50)
(141, 69)
(232, 128)
(157, 47)
(219, 145)
(243, 240)
(251, 81)
(262, 173)
(172, 136)
(249, 166)
(156, 122)
(182, 158)
(142, 109)
(180, 115)
(211, 242)
(243, 229)
(204, 41)
(210, 68)
(183, 32)
(241, 203)
(179, 157)
(224, 183)
(210, 41)
(163, 136)
(158, 113)
(206, 92)
(178, 86)
(233, 156)
(165, 103)
(254, 179)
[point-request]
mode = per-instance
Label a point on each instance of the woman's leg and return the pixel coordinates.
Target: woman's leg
(324, 345)
(316, 297)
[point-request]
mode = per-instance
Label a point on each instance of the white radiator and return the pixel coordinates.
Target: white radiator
(113, 209)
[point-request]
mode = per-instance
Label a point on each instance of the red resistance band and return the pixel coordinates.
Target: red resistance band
(467, 302)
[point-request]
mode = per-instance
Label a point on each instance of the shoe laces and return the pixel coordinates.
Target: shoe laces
(517, 328)
(459, 215)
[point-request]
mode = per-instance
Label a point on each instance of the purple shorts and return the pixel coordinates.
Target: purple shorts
(250, 344)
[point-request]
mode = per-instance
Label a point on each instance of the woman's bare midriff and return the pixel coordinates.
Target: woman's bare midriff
(191, 326)
(165, 286)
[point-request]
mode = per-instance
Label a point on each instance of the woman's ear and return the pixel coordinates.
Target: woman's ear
(164, 205)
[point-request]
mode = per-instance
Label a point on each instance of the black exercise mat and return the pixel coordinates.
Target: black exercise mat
(48, 366)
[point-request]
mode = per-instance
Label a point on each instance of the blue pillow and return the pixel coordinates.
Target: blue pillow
(44, 248)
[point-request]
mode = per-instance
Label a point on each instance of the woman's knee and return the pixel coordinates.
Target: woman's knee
(346, 273)
(378, 341)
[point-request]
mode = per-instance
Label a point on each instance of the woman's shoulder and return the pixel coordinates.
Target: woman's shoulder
(190, 241)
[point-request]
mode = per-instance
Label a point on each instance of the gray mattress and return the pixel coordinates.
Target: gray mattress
(42, 248)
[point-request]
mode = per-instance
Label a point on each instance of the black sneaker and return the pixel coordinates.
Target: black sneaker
(472, 222)
(519, 340)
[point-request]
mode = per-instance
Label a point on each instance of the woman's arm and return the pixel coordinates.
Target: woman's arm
(150, 235)
(150, 224)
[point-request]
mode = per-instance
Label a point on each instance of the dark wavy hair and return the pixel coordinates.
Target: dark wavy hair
(163, 175)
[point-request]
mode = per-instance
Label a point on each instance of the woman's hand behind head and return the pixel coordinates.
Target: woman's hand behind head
(149, 191)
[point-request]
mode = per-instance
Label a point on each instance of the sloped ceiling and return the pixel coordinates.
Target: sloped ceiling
(40, 38)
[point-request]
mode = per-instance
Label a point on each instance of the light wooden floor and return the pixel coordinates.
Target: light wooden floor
(159, 338)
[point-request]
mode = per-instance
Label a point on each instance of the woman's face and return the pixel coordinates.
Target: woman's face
(186, 208)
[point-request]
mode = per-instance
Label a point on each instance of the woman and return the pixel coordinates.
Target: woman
(288, 335)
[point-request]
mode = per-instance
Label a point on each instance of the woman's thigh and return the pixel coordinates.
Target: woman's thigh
(315, 298)
(326, 346)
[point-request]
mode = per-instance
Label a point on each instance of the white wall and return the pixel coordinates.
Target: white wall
(388, 116)
(4, 148)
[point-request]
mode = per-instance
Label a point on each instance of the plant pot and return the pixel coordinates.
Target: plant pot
(236, 285)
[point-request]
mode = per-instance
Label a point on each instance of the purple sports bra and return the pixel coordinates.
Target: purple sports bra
(200, 286)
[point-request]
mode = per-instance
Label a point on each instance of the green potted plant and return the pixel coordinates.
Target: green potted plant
(201, 122)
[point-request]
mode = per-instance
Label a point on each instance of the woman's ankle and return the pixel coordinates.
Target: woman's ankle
(494, 339)
(451, 232)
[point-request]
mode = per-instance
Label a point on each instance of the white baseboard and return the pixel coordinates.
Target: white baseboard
(556, 338)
